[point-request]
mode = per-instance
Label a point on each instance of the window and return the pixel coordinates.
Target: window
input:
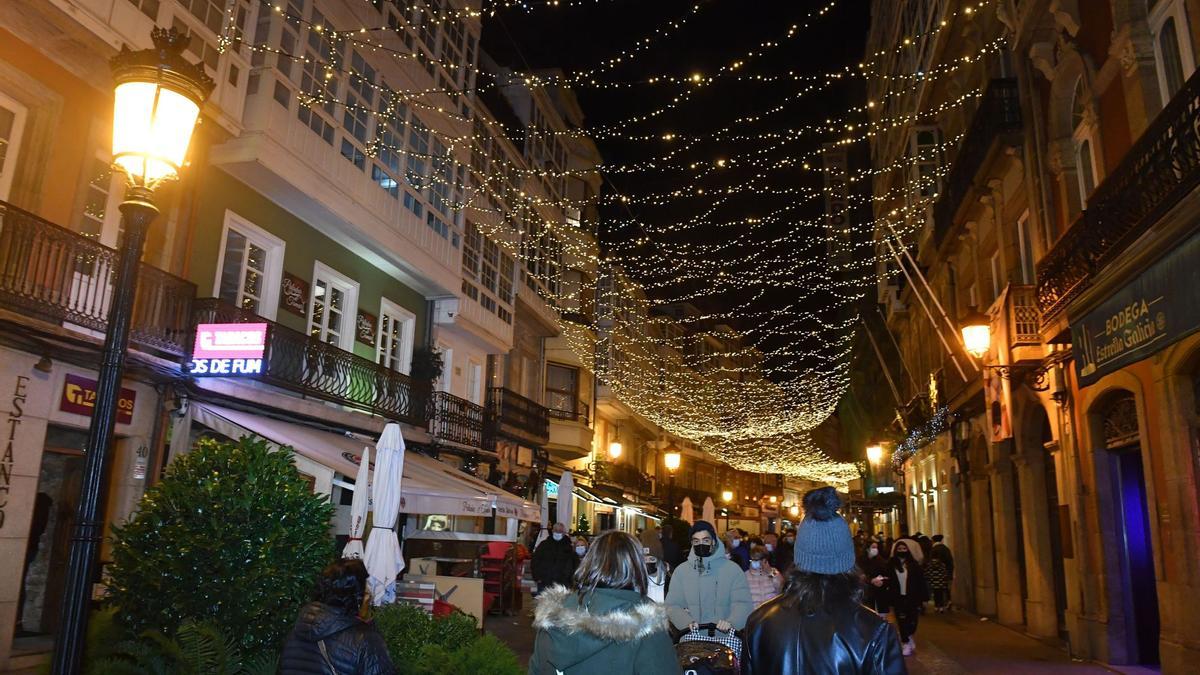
(472, 243)
(147, 7)
(12, 125)
(475, 382)
(1025, 241)
(418, 144)
(491, 264)
(100, 218)
(251, 267)
(397, 326)
(333, 307)
(562, 390)
(925, 152)
(1172, 48)
(1085, 145)
(443, 381)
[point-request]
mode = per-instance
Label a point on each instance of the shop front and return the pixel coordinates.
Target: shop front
(46, 407)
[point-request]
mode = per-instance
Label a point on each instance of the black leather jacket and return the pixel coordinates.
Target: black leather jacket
(780, 640)
(354, 646)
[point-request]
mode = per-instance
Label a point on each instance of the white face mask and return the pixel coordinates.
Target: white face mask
(872, 552)
(735, 542)
(756, 564)
(558, 536)
(580, 550)
(770, 547)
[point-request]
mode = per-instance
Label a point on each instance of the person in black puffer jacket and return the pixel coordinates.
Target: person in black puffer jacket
(352, 646)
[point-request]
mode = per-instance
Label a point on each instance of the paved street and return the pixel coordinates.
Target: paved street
(946, 645)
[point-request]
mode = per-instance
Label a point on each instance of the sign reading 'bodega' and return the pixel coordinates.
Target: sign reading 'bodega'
(229, 349)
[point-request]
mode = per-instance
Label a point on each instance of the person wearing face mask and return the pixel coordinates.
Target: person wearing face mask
(708, 587)
(907, 589)
(738, 548)
(876, 591)
(581, 546)
(764, 581)
(656, 574)
(554, 560)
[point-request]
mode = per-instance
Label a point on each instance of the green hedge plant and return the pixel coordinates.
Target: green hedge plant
(232, 535)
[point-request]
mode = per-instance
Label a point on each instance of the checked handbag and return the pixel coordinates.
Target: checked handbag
(704, 634)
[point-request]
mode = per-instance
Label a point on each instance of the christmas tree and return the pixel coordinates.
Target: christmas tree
(584, 526)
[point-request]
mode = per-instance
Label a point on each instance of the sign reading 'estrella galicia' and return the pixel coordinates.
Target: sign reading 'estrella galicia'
(229, 349)
(1156, 309)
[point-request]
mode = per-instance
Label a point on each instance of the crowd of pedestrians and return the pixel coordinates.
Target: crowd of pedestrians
(807, 599)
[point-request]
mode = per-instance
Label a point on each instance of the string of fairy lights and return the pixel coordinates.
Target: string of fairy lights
(751, 397)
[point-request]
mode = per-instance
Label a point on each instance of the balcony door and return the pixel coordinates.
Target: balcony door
(12, 125)
(250, 268)
(397, 327)
(332, 308)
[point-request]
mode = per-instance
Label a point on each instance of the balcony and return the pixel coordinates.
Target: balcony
(570, 435)
(1161, 168)
(998, 114)
(1023, 318)
(516, 418)
(315, 369)
(623, 476)
(457, 420)
(62, 277)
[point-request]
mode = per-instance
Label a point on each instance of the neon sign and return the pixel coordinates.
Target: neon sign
(229, 349)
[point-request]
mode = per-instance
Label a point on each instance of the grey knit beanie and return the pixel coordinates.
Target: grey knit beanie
(823, 541)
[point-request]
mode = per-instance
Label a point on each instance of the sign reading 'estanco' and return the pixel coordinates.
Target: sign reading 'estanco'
(229, 349)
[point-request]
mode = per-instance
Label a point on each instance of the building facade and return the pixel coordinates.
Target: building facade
(1046, 182)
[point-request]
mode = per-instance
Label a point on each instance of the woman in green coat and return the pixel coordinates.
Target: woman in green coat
(606, 625)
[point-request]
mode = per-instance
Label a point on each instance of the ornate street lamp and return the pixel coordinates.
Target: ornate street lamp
(875, 454)
(157, 99)
(977, 333)
(671, 460)
(615, 449)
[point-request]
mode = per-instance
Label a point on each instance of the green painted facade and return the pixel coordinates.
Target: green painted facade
(304, 246)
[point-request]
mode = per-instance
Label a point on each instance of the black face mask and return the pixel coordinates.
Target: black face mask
(903, 555)
(652, 568)
(703, 550)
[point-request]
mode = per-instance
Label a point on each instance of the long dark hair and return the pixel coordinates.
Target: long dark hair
(342, 585)
(613, 560)
(810, 592)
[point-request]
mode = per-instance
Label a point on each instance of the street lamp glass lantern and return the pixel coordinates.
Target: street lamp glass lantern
(157, 99)
(794, 510)
(977, 334)
(671, 460)
(874, 453)
(727, 496)
(615, 449)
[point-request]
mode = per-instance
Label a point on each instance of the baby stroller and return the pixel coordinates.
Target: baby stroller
(707, 651)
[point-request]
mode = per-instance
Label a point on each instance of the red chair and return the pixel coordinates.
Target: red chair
(495, 566)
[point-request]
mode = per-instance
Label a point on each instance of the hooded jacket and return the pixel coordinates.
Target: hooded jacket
(782, 640)
(355, 647)
(708, 590)
(554, 561)
(610, 631)
(915, 589)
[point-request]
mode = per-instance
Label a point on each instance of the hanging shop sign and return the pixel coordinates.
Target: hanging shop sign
(229, 349)
(364, 328)
(1156, 309)
(79, 397)
(293, 294)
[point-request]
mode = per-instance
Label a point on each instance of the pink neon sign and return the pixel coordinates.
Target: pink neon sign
(230, 341)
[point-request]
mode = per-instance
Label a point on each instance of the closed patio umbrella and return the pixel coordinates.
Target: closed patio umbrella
(686, 511)
(566, 499)
(358, 507)
(709, 512)
(545, 515)
(382, 556)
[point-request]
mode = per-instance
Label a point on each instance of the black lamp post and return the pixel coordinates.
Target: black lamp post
(157, 99)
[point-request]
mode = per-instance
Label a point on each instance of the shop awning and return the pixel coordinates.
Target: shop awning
(429, 486)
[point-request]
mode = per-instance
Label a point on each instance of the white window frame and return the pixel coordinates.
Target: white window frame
(445, 380)
(408, 332)
(9, 168)
(1163, 10)
(110, 227)
(474, 382)
(1025, 249)
(274, 246)
(1084, 135)
(349, 287)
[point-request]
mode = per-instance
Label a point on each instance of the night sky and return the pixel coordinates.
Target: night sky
(579, 37)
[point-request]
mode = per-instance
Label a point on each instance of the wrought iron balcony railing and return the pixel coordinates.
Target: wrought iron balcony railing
(316, 369)
(1023, 317)
(624, 476)
(517, 418)
(564, 407)
(53, 274)
(998, 113)
(455, 419)
(1161, 168)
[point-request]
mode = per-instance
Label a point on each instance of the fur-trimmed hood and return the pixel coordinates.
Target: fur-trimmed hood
(612, 615)
(607, 632)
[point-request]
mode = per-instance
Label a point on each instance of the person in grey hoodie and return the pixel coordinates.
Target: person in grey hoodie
(708, 587)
